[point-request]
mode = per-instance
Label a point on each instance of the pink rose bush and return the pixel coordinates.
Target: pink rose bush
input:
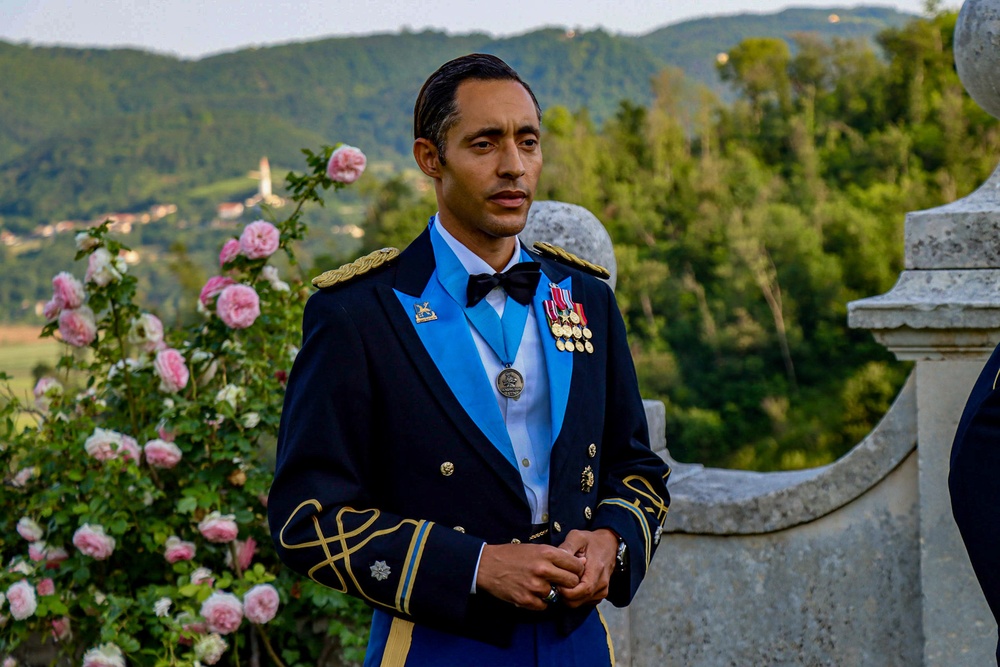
(259, 240)
(162, 549)
(223, 613)
(94, 542)
(346, 164)
(238, 306)
(260, 604)
(172, 370)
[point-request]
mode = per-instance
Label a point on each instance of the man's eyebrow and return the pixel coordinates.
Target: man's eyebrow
(491, 131)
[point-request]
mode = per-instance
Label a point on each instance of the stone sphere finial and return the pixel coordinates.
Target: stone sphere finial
(977, 52)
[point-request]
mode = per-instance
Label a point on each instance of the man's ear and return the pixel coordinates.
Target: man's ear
(426, 155)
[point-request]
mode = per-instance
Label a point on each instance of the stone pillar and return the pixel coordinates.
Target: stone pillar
(944, 314)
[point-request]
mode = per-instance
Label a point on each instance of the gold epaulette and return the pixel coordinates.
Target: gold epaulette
(566, 257)
(358, 267)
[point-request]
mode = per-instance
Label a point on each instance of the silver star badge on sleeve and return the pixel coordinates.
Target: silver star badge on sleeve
(380, 571)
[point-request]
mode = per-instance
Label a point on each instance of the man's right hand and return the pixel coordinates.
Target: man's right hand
(523, 574)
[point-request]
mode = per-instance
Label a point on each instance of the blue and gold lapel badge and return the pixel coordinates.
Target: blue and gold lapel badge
(423, 312)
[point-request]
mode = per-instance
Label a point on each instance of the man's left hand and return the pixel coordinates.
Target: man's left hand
(599, 547)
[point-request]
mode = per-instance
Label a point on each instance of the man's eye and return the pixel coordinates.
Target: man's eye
(481, 144)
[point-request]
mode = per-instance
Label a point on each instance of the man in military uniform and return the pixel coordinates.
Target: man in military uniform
(463, 444)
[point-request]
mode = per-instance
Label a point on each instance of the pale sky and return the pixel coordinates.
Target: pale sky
(193, 28)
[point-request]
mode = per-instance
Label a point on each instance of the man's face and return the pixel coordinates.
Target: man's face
(493, 160)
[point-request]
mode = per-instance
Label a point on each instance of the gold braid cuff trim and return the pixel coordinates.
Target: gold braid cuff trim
(358, 267)
(566, 257)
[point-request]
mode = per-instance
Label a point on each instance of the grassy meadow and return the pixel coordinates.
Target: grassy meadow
(21, 351)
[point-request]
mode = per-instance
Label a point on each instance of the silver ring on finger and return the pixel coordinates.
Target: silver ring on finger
(552, 597)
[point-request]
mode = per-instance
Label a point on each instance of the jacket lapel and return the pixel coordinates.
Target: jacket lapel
(441, 350)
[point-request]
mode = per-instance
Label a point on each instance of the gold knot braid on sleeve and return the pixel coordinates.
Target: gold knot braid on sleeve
(358, 267)
(565, 257)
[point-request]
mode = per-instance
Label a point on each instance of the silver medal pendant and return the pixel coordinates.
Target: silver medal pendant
(510, 383)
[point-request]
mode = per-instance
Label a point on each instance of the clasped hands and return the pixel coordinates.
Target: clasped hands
(523, 574)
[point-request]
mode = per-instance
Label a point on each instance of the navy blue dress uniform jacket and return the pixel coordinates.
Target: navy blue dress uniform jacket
(974, 481)
(386, 488)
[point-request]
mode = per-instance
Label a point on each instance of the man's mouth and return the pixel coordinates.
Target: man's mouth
(509, 198)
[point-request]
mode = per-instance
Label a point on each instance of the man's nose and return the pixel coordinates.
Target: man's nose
(511, 166)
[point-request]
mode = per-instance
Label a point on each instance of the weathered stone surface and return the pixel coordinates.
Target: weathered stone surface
(977, 52)
(709, 501)
(574, 228)
(964, 234)
(840, 590)
(945, 299)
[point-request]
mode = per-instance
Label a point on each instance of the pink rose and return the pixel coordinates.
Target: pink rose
(261, 603)
(238, 306)
(209, 649)
(219, 528)
(67, 291)
(244, 553)
(130, 448)
(46, 587)
(105, 655)
(93, 541)
(54, 556)
(60, 629)
(146, 332)
(29, 529)
(229, 252)
(212, 288)
(106, 445)
(346, 164)
(223, 612)
(202, 575)
(171, 369)
(162, 454)
(163, 430)
(45, 390)
(178, 550)
(22, 601)
(78, 327)
(259, 240)
(51, 310)
(37, 551)
(190, 627)
(103, 268)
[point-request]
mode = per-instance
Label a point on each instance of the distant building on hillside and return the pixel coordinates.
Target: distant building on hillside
(264, 193)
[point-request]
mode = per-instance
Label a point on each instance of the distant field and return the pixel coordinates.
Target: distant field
(21, 350)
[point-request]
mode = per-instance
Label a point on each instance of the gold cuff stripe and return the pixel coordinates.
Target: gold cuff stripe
(646, 536)
(649, 494)
(397, 644)
(607, 633)
(413, 556)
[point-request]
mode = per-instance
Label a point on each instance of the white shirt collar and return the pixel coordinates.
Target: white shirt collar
(472, 262)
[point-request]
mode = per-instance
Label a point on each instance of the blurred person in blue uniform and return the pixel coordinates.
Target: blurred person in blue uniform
(463, 444)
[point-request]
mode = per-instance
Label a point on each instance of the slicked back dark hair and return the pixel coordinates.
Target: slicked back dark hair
(436, 111)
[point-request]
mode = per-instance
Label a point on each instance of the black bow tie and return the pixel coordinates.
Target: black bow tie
(519, 282)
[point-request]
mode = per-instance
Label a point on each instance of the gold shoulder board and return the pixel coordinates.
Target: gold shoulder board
(566, 257)
(358, 267)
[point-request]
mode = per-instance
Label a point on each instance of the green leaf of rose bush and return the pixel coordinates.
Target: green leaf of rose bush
(134, 506)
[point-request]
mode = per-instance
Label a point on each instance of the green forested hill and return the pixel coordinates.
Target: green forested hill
(85, 131)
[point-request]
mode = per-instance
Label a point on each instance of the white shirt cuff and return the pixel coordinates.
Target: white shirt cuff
(476, 575)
